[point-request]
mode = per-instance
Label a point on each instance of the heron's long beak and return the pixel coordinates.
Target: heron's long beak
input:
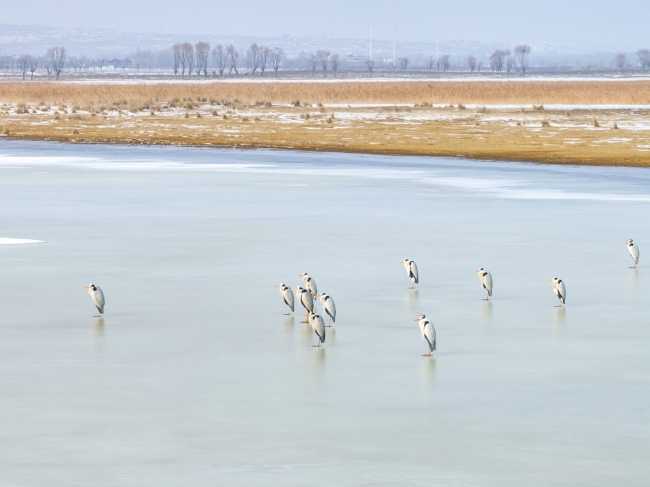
(402, 262)
(477, 270)
(278, 287)
(417, 319)
(550, 280)
(86, 287)
(302, 275)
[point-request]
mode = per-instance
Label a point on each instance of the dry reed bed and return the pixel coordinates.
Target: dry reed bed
(450, 92)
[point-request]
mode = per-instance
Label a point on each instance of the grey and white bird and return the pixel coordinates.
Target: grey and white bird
(634, 252)
(428, 333)
(287, 295)
(97, 296)
(306, 299)
(486, 280)
(412, 271)
(559, 289)
(309, 283)
(318, 325)
(328, 306)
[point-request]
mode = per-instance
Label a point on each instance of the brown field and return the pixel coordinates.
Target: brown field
(352, 92)
(253, 115)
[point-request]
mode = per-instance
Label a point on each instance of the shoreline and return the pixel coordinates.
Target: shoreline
(603, 124)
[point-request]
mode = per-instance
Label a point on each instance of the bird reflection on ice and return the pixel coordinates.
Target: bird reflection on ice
(558, 316)
(318, 360)
(98, 328)
(428, 370)
(486, 313)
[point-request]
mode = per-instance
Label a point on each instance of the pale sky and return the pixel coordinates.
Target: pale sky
(621, 23)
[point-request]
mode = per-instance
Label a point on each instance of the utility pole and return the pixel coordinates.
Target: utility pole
(393, 45)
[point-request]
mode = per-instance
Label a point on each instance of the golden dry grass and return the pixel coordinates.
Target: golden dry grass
(249, 115)
(448, 92)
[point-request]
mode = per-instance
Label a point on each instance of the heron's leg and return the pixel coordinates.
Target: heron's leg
(97, 316)
(426, 354)
(287, 314)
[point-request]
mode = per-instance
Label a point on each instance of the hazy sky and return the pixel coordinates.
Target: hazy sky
(616, 23)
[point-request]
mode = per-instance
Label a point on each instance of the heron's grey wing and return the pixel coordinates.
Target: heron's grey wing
(287, 294)
(634, 252)
(487, 283)
(308, 301)
(414, 272)
(430, 335)
(98, 299)
(312, 286)
(561, 290)
(330, 307)
(319, 328)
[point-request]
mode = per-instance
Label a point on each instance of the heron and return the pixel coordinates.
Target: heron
(309, 283)
(412, 271)
(428, 333)
(318, 325)
(306, 300)
(634, 252)
(559, 290)
(328, 306)
(486, 280)
(287, 295)
(97, 296)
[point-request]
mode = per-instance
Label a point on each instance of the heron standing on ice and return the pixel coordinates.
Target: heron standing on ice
(634, 252)
(428, 333)
(306, 300)
(328, 306)
(412, 271)
(486, 280)
(318, 325)
(559, 290)
(309, 283)
(97, 296)
(287, 295)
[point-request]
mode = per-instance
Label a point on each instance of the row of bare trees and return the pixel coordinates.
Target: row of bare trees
(504, 59)
(620, 61)
(322, 59)
(195, 58)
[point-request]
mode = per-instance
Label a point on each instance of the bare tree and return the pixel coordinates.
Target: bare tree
(471, 62)
(186, 58)
(322, 57)
(264, 55)
(334, 63)
(253, 57)
(234, 59)
(56, 57)
(445, 62)
(220, 57)
(479, 65)
(33, 64)
(23, 64)
(496, 60)
(522, 51)
(276, 56)
(370, 64)
(176, 53)
(431, 63)
(313, 63)
(620, 60)
(644, 57)
(202, 50)
(510, 61)
(403, 63)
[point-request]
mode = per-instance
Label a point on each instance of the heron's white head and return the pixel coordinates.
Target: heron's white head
(420, 318)
(629, 242)
(303, 276)
(91, 287)
(405, 261)
(479, 270)
(555, 280)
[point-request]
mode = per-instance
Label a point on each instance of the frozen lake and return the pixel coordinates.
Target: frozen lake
(194, 377)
